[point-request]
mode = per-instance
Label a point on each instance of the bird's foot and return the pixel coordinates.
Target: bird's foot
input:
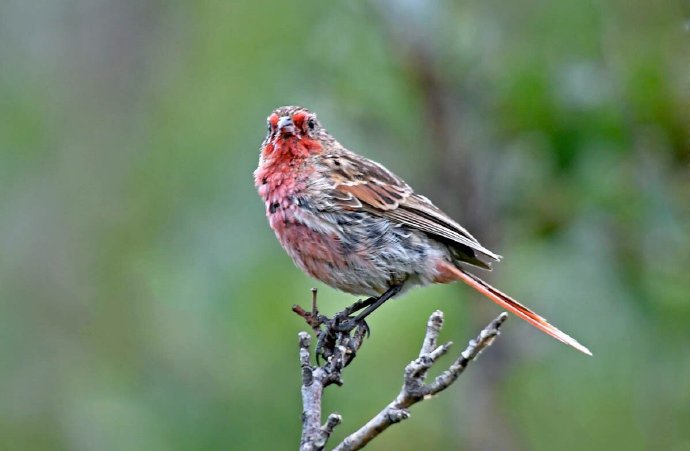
(344, 329)
(345, 322)
(340, 331)
(348, 324)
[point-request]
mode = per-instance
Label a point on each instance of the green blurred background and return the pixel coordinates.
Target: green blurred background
(145, 303)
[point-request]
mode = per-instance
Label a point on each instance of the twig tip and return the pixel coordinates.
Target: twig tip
(437, 315)
(498, 322)
(304, 339)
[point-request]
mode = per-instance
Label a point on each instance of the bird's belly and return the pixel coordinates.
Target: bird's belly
(355, 252)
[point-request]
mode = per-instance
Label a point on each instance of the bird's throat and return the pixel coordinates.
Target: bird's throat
(282, 170)
(291, 147)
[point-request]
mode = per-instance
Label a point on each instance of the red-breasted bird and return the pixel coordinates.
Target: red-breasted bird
(354, 225)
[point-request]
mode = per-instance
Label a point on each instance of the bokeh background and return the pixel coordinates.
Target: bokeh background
(145, 303)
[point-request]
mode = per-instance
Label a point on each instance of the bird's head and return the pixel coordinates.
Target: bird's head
(293, 131)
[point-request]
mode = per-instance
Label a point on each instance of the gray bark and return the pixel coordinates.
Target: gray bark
(415, 389)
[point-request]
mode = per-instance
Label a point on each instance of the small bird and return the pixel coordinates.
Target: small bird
(354, 225)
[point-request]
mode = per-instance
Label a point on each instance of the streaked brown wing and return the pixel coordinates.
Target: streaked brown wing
(420, 212)
(361, 184)
(366, 181)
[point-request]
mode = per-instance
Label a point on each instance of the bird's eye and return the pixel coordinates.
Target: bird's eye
(269, 128)
(311, 123)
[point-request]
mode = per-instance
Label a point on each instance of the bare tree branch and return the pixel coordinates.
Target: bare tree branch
(414, 389)
(342, 350)
(314, 380)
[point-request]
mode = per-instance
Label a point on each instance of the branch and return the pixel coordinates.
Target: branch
(314, 380)
(341, 350)
(414, 388)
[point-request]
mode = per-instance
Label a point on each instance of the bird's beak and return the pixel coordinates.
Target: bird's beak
(285, 125)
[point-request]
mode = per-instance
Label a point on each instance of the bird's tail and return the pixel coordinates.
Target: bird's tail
(511, 305)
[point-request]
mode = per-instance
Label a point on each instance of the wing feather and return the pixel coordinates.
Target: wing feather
(361, 184)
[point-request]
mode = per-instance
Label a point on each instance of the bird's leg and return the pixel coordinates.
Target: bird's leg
(359, 305)
(371, 305)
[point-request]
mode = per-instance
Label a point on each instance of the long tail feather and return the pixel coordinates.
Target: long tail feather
(515, 307)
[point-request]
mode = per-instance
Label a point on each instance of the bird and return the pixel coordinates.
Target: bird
(354, 225)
